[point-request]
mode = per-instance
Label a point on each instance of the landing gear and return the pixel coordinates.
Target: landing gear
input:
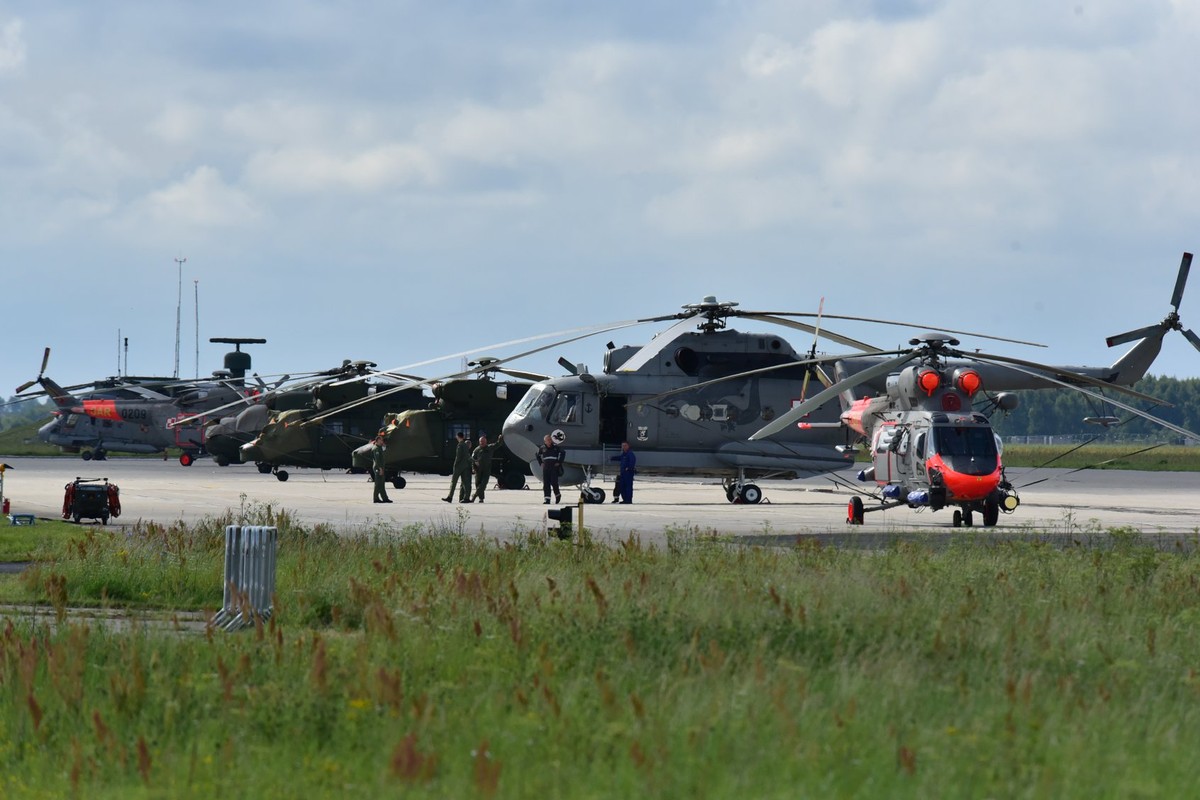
(750, 494)
(512, 479)
(991, 512)
(222, 461)
(187, 459)
(738, 491)
(263, 469)
(86, 455)
(281, 475)
(591, 495)
(855, 511)
(101, 454)
(399, 482)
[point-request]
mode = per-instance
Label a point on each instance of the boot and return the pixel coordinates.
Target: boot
(546, 501)
(446, 499)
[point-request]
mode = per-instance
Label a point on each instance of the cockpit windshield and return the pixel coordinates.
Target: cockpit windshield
(537, 399)
(967, 449)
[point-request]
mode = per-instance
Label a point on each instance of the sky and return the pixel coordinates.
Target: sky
(401, 181)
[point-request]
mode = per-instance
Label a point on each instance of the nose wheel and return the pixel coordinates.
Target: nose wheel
(738, 491)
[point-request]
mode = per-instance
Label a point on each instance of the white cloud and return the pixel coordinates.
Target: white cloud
(201, 200)
(309, 169)
(12, 46)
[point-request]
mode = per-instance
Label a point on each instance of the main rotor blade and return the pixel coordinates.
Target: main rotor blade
(820, 398)
(45, 361)
(656, 345)
(1096, 395)
(738, 376)
(593, 330)
(916, 325)
(816, 331)
(1131, 336)
(1193, 338)
(523, 375)
(1065, 375)
(25, 385)
(1185, 265)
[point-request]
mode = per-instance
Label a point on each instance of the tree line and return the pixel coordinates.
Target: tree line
(1061, 412)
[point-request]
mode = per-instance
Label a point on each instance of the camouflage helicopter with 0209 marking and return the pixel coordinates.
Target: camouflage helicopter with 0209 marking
(137, 415)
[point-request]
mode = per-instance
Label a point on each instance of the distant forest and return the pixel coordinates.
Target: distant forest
(1061, 412)
(16, 412)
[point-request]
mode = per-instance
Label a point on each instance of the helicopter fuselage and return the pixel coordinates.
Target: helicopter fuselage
(700, 431)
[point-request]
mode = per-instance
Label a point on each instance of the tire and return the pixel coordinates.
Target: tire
(513, 479)
(263, 469)
(991, 512)
(751, 494)
(104, 519)
(86, 455)
(854, 511)
(399, 482)
(101, 454)
(76, 517)
(958, 518)
(592, 495)
(222, 461)
(730, 494)
(281, 475)
(968, 519)
(186, 459)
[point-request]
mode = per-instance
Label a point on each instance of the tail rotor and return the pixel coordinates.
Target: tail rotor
(1171, 322)
(41, 372)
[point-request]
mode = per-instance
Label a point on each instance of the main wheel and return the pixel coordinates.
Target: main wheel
(281, 475)
(399, 482)
(855, 511)
(186, 459)
(513, 479)
(750, 494)
(86, 455)
(968, 519)
(104, 519)
(991, 512)
(101, 454)
(222, 461)
(730, 493)
(263, 469)
(958, 519)
(76, 517)
(592, 495)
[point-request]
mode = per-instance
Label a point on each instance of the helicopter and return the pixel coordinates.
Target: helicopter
(929, 447)
(688, 400)
(423, 440)
(131, 414)
(283, 438)
(225, 436)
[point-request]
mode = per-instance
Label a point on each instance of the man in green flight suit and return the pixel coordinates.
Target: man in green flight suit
(461, 470)
(377, 471)
(481, 461)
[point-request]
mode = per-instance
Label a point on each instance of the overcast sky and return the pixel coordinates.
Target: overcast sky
(395, 181)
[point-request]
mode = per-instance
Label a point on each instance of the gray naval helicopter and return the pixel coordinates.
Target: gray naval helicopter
(689, 400)
(129, 414)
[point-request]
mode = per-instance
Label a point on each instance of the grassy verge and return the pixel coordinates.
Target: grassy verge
(433, 664)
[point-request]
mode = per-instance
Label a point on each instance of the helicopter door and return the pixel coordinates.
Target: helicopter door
(885, 442)
(614, 419)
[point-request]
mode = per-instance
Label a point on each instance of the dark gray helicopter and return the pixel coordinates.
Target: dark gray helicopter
(131, 414)
(690, 399)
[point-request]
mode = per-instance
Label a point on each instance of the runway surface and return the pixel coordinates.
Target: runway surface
(1161, 505)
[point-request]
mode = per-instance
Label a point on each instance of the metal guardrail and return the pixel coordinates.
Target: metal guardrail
(249, 576)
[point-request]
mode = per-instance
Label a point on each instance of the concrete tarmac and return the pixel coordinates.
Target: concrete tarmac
(1161, 505)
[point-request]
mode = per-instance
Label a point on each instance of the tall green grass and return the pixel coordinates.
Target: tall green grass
(432, 663)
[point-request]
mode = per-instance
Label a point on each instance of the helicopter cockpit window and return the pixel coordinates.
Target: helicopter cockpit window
(538, 398)
(970, 450)
(566, 409)
(921, 445)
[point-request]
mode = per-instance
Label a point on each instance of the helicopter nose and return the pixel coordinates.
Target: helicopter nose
(521, 437)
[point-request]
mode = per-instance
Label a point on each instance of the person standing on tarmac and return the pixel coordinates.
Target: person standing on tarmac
(461, 470)
(550, 456)
(481, 461)
(377, 471)
(623, 491)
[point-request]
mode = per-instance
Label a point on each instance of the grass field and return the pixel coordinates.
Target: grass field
(428, 663)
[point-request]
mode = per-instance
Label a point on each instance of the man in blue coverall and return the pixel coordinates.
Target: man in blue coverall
(626, 469)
